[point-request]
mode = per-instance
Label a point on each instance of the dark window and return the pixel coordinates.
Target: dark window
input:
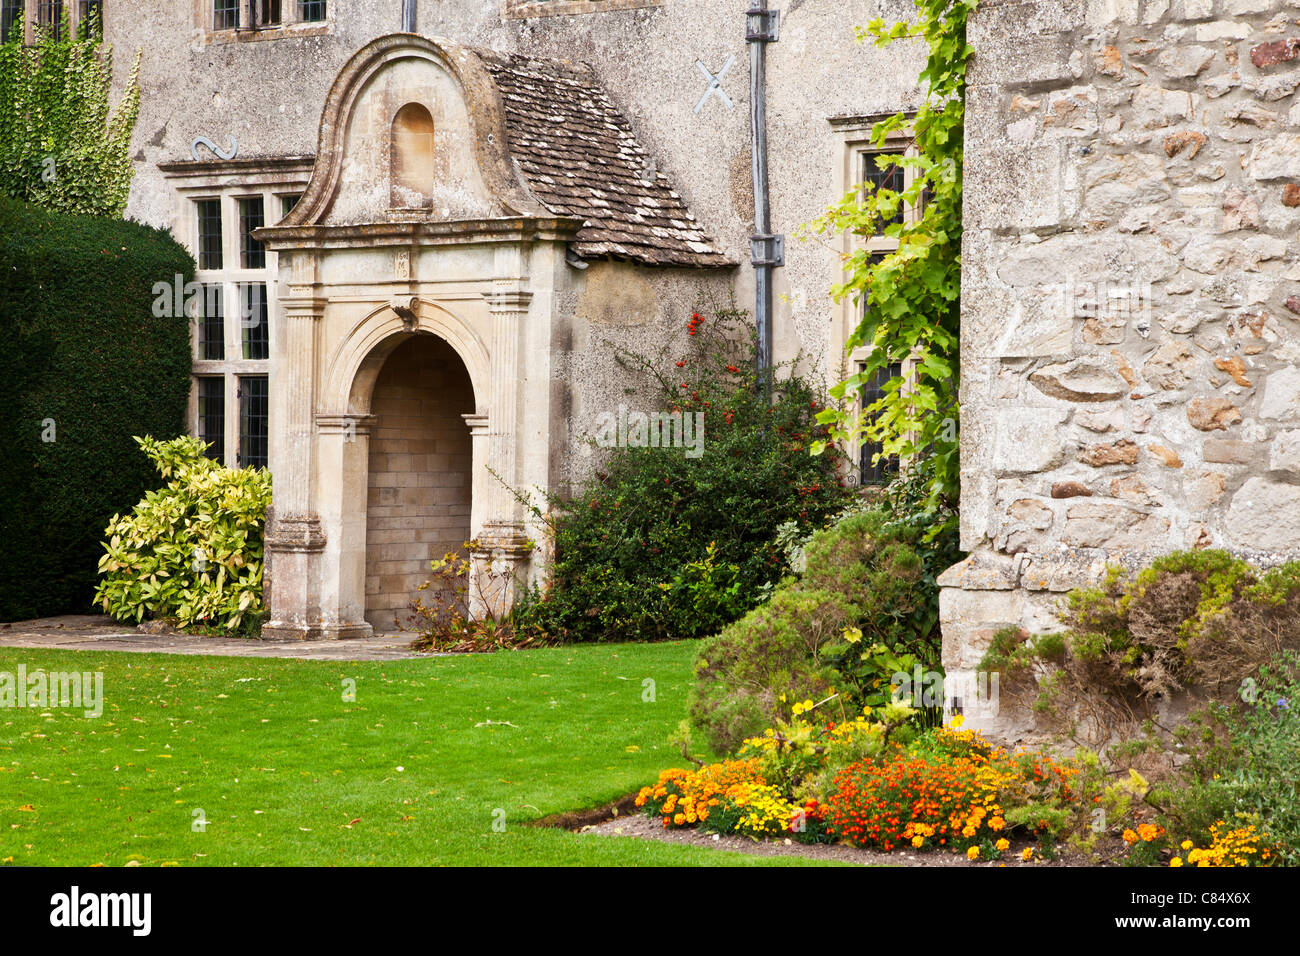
(49, 16)
(287, 203)
(212, 324)
(311, 10)
(875, 178)
(11, 19)
(881, 471)
(225, 14)
(875, 259)
(268, 12)
(252, 421)
(90, 18)
(252, 317)
(209, 211)
(251, 216)
(927, 197)
(212, 416)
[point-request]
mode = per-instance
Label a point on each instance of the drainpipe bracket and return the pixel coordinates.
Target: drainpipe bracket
(762, 25)
(767, 250)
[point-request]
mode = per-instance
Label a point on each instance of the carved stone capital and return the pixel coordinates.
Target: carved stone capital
(346, 424)
(508, 298)
(477, 422)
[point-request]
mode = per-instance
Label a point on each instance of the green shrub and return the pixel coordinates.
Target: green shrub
(190, 552)
(1242, 769)
(881, 565)
(773, 652)
(1200, 621)
(661, 544)
(84, 365)
(876, 563)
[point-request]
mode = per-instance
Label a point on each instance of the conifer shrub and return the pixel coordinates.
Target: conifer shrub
(85, 364)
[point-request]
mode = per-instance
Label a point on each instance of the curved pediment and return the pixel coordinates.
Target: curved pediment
(423, 130)
(413, 129)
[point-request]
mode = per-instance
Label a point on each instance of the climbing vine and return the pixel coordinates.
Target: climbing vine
(912, 296)
(61, 145)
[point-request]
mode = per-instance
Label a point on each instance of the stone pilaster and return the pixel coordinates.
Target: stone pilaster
(295, 538)
(501, 546)
(343, 445)
(508, 304)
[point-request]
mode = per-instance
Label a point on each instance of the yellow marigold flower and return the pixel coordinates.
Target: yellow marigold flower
(1187, 844)
(679, 819)
(973, 853)
(997, 823)
(1027, 854)
(917, 841)
(1176, 862)
(1002, 844)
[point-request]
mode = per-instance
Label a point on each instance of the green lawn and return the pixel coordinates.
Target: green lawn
(286, 772)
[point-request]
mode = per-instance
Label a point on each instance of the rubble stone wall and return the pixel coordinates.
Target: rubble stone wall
(1131, 298)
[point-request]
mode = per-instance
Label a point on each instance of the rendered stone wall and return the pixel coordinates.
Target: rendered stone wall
(419, 473)
(1131, 298)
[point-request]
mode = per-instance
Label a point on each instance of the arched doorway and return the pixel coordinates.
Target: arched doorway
(419, 473)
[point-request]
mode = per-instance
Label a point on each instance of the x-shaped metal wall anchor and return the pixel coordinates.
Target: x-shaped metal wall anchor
(715, 83)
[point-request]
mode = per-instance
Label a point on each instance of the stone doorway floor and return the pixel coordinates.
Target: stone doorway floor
(93, 632)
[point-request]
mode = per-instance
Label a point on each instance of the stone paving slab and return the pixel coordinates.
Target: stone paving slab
(87, 632)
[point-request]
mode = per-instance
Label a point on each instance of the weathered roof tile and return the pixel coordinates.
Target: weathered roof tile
(580, 158)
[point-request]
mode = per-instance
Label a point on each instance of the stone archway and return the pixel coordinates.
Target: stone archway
(418, 472)
(366, 263)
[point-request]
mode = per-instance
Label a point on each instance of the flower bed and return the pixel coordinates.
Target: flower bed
(875, 782)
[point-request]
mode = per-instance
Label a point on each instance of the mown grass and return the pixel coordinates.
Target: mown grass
(285, 771)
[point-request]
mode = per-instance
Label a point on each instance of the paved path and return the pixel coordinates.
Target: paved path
(84, 632)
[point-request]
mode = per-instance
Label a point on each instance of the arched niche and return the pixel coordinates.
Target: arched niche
(411, 158)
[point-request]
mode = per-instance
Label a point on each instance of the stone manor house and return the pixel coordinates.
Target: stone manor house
(448, 229)
(423, 229)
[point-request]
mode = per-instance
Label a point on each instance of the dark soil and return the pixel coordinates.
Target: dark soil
(623, 819)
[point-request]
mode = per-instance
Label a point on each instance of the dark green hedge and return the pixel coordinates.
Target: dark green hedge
(79, 344)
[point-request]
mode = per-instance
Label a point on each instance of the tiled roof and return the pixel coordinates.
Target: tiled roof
(580, 158)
